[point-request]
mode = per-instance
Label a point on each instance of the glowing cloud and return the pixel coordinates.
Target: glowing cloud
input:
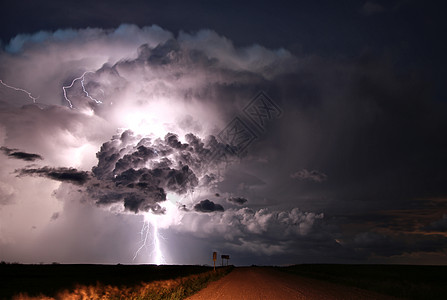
(164, 100)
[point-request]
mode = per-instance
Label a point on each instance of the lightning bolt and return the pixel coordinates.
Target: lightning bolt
(144, 236)
(20, 90)
(159, 259)
(157, 254)
(82, 79)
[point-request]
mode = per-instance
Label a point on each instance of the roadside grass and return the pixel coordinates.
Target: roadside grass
(163, 282)
(403, 281)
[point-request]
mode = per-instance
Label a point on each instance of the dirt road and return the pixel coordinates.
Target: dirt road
(266, 283)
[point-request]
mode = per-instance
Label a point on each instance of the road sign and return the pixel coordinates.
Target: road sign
(227, 257)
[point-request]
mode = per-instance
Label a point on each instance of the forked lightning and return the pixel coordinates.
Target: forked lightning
(20, 90)
(82, 79)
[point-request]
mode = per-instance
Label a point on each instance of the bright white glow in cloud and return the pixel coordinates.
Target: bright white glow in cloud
(128, 118)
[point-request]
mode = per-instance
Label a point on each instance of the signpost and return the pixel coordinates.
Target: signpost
(227, 257)
(214, 259)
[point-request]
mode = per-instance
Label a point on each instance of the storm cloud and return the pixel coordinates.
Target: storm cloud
(259, 231)
(17, 154)
(438, 225)
(70, 175)
(207, 206)
(140, 170)
(145, 135)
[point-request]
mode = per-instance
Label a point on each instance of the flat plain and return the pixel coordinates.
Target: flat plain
(318, 281)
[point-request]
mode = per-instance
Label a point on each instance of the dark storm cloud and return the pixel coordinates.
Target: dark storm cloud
(208, 206)
(260, 232)
(168, 158)
(137, 171)
(438, 225)
(136, 204)
(130, 160)
(367, 244)
(313, 175)
(373, 132)
(237, 200)
(395, 235)
(15, 153)
(62, 174)
(132, 197)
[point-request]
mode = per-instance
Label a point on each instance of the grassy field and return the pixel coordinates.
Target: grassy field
(404, 281)
(177, 282)
(104, 281)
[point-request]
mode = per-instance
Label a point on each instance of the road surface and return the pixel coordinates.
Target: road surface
(266, 283)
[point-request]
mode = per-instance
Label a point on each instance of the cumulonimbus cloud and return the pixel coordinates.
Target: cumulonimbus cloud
(165, 97)
(138, 171)
(162, 87)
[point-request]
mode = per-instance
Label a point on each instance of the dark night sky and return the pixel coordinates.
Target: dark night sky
(352, 170)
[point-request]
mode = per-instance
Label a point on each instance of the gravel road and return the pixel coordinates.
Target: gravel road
(267, 283)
